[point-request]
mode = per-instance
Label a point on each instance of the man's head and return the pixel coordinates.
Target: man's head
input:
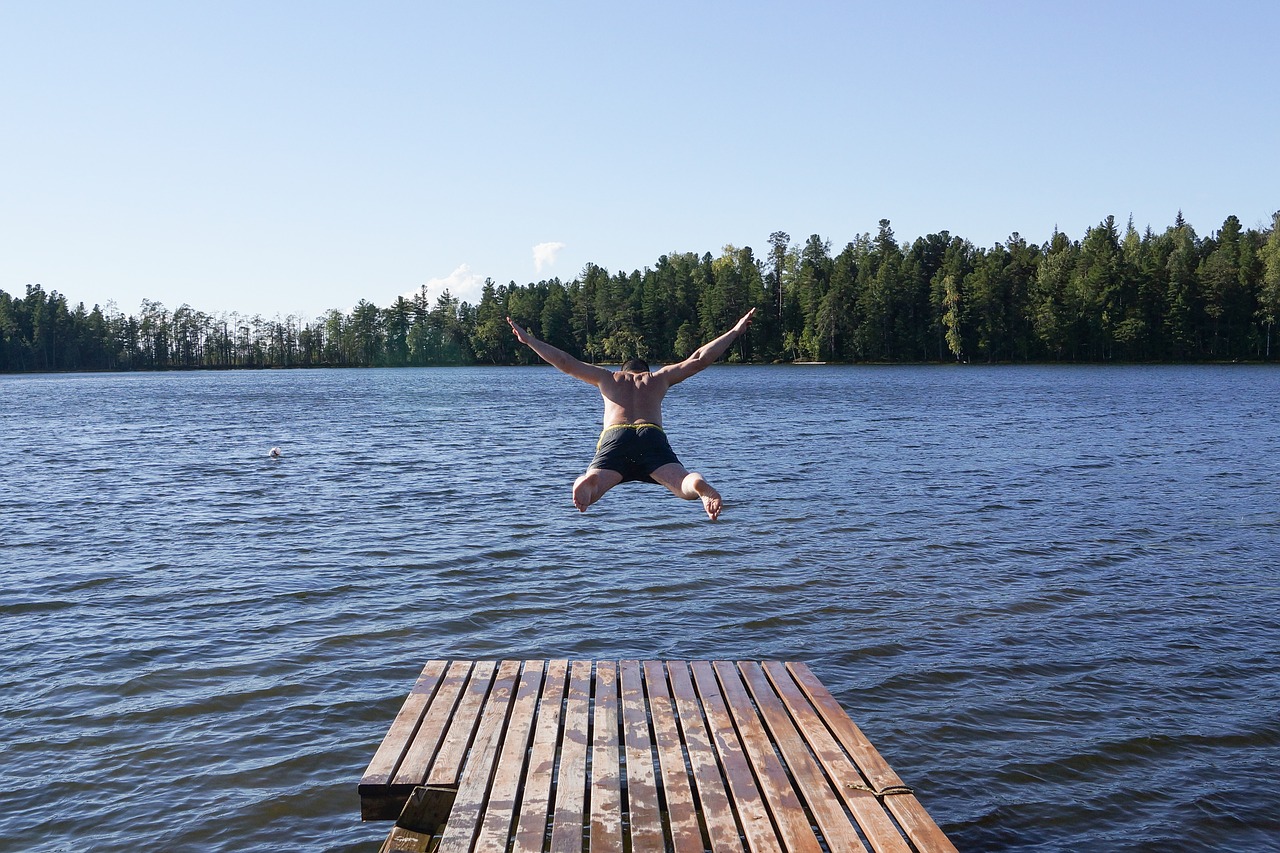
(635, 365)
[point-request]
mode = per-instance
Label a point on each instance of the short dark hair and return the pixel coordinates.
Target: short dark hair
(635, 365)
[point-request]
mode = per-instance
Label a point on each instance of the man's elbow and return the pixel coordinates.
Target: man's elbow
(697, 362)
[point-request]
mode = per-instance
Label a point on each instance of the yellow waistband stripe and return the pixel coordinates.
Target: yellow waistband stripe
(600, 441)
(630, 426)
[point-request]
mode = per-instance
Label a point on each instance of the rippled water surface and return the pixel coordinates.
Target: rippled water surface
(1049, 596)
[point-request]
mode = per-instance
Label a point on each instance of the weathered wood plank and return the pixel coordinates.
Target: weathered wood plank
(424, 815)
(401, 840)
(383, 801)
(531, 827)
(811, 781)
(499, 813)
(722, 829)
(918, 825)
(784, 803)
(914, 820)
(630, 756)
(882, 833)
(748, 800)
(404, 726)
(642, 791)
(439, 719)
(477, 777)
(606, 772)
(686, 835)
(446, 769)
(877, 771)
(567, 823)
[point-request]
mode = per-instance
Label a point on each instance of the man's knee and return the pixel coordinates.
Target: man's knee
(671, 475)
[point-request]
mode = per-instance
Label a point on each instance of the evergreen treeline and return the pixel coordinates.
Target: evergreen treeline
(1117, 296)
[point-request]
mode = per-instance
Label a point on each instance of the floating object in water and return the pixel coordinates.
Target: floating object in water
(275, 453)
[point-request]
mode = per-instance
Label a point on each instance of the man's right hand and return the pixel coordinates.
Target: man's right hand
(521, 335)
(741, 325)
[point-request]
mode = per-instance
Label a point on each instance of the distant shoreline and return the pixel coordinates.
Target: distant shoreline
(1115, 296)
(243, 368)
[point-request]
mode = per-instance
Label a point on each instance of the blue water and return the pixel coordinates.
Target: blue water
(1050, 596)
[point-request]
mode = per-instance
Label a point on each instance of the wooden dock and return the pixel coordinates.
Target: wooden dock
(635, 756)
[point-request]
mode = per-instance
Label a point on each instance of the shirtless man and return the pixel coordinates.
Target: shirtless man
(633, 446)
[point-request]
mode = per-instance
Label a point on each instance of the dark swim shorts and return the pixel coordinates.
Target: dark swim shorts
(633, 450)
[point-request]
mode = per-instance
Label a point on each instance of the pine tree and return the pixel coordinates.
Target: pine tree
(1269, 290)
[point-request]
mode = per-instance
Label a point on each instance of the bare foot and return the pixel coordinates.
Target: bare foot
(711, 503)
(694, 486)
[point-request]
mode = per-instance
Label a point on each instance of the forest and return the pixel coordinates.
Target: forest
(1114, 295)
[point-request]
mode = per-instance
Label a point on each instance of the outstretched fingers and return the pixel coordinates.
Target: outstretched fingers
(518, 331)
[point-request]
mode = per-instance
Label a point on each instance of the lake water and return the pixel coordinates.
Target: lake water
(1050, 596)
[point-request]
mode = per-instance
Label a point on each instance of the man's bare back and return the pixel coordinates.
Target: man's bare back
(633, 398)
(633, 432)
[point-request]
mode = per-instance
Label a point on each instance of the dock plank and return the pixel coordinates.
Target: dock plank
(748, 800)
(379, 799)
(713, 792)
(634, 756)
(920, 828)
(399, 737)
(781, 797)
(642, 788)
(881, 832)
(682, 816)
(531, 827)
(571, 788)
(442, 731)
(475, 784)
(924, 833)
(812, 782)
(606, 779)
(500, 811)
(876, 770)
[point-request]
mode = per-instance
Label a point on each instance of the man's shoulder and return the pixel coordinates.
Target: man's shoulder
(655, 382)
(635, 387)
(670, 374)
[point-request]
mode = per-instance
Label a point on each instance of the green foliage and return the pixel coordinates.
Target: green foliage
(953, 316)
(625, 344)
(1268, 311)
(1149, 296)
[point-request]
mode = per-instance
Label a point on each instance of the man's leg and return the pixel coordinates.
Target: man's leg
(591, 486)
(690, 486)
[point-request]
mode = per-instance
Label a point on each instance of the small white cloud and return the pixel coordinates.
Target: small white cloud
(544, 254)
(462, 284)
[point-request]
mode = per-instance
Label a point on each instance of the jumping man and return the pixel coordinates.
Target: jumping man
(632, 446)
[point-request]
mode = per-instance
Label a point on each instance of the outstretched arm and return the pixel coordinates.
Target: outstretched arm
(706, 355)
(558, 358)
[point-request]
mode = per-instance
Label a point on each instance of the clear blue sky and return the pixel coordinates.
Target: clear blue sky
(291, 157)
